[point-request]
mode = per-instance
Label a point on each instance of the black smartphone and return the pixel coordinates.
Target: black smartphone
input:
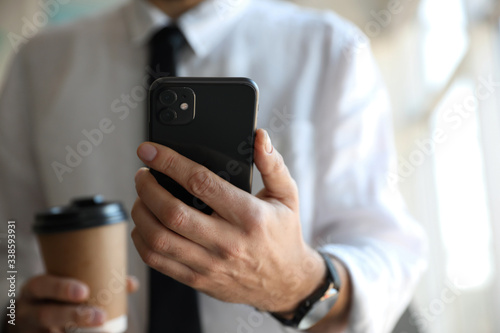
(210, 121)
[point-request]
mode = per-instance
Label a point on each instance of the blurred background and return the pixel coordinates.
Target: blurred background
(440, 60)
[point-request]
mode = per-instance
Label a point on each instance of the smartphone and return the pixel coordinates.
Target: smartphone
(210, 121)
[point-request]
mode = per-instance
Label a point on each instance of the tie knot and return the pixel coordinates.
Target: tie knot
(169, 36)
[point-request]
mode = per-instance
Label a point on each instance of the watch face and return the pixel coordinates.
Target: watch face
(318, 311)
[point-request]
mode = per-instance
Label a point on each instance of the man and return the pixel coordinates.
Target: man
(326, 112)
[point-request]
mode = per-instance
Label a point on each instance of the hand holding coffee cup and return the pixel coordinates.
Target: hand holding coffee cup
(52, 303)
(84, 250)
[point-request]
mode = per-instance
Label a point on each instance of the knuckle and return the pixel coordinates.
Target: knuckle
(133, 213)
(236, 251)
(166, 163)
(258, 215)
(135, 209)
(194, 280)
(150, 258)
(82, 315)
(160, 244)
(176, 216)
(228, 253)
(134, 233)
(139, 189)
(70, 326)
(223, 253)
(202, 183)
(216, 265)
(257, 221)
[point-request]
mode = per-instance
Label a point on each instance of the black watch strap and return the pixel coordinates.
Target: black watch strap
(306, 305)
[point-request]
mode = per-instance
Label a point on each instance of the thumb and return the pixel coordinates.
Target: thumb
(132, 284)
(277, 181)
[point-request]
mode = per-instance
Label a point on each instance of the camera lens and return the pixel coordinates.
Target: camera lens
(168, 97)
(167, 116)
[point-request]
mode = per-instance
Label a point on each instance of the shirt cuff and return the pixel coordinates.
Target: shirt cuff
(382, 282)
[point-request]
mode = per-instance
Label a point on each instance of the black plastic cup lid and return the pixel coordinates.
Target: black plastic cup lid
(82, 213)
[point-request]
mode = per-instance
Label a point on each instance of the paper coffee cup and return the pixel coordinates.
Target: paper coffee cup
(87, 240)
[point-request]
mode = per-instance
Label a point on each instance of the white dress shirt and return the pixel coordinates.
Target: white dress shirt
(321, 99)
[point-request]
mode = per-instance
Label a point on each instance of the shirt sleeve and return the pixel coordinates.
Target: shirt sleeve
(20, 194)
(360, 217)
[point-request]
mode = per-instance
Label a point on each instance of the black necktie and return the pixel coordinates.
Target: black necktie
(173, 306)
(164, 49)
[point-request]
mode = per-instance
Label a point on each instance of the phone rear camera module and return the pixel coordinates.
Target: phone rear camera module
(167, 116)
(173, 105)
(168, 97)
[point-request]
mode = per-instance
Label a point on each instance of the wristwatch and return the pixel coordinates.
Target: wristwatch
(318, 304)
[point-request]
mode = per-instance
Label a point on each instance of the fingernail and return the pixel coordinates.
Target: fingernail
(99, 316)
(269, 145)
(78, 291)
(147, 152)
(133, 283)
(133, 279)
(139, 173)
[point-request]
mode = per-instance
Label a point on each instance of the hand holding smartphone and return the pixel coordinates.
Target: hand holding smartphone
(210, 121)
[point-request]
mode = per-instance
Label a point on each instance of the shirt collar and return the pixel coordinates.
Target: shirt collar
(203, 26)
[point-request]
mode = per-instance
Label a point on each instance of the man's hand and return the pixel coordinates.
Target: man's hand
(250, 250)
(51, 304)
